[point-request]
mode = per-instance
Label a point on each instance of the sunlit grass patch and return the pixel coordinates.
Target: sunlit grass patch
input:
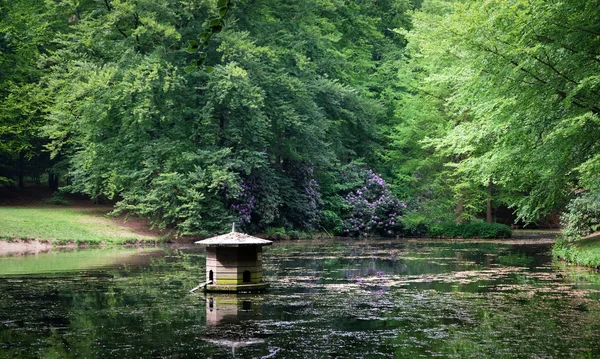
(584, 252)
(62, 225)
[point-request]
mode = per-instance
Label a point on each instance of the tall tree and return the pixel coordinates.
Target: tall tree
(26, 29)
(250, 141)
(523, 88)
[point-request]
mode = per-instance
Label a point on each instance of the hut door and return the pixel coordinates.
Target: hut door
(210, 276)
(246, 276)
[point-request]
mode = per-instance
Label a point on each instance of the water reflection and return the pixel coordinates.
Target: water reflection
(369, 299)
(231, 321)
(77, 259)
(225, 309)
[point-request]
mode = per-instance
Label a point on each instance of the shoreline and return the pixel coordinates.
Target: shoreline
(18, 246)
(24, 247)
(583, 253)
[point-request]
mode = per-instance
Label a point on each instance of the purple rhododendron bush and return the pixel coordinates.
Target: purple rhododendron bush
(372, 208)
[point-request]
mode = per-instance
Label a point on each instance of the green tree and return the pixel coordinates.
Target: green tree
(26, 29)
(522, 93)
(288, 100)
(125, 115)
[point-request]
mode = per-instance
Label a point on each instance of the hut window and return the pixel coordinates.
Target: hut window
(210, 276)
(246, 276)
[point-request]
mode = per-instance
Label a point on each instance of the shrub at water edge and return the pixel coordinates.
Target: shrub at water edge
(470, 230)
(581, 217)
(371, 207)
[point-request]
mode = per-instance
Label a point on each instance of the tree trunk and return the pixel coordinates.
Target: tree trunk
(488, 212)
(459, 211)
(53, 182)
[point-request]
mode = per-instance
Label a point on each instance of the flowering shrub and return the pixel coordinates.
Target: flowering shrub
(243, 203)
(302, 202)
(372, 208)
(289, 199)
(313, 202)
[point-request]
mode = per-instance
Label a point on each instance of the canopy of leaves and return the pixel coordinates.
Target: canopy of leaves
(508, 92)
(453, 102)
(288, 100)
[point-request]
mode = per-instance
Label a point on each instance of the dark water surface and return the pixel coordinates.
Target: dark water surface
(329, 299)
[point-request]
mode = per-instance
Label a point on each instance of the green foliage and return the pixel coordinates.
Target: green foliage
(331, 221)
(581, 217)
(416, 223)
(470, 230)
(512, 88)
(288, 99)
(189, 202)
(58, 198)
(583, 253)
(214, 25)
(275, 232)
(26, 31)
(280, 233)
(120, 115)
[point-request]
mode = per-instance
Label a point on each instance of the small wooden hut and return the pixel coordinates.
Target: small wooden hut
(234, 263)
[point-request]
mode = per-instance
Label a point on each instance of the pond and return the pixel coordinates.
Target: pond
(328, 299)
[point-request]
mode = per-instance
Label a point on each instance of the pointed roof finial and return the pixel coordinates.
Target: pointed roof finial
(233, 227)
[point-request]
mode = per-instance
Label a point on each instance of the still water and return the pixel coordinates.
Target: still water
(328, 299)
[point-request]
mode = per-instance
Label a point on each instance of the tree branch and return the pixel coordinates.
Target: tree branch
(553, 68)
(121, 31)
(575, 99)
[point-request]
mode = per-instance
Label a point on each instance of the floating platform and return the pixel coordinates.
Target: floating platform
(237, 288)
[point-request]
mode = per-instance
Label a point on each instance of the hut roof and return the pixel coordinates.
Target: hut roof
(234, 239)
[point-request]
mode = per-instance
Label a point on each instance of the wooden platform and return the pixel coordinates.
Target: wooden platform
(253, 287)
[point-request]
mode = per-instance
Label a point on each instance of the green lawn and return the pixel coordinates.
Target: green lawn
(61, 225)
(584, 252)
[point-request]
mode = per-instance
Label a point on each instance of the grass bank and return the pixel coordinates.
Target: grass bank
(585, 252)
(61, 225)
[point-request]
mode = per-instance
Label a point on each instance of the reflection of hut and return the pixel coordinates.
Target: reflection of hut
(229, 309)
(234, 263)
(229, 321)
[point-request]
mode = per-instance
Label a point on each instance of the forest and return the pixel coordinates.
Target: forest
(352, 117)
